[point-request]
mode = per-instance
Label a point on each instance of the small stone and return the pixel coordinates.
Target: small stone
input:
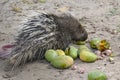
(103, 55)
(81, 71)
(98, 52)
(107, 52)
(105, 64)
(111, 60)
(100, 58)
(74, 67)
(99, 68)
(114, 32)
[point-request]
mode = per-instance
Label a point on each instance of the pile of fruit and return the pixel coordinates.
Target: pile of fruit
(58, 58)
(64, 59)
(102, 46)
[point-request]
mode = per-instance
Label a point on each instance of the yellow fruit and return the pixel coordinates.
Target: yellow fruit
(62, 62)
(60, 52)
(87, 56)
(81, 48)
(103, 45)
(50, 55)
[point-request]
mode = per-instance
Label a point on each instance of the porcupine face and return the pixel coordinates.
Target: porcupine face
(72, 26)
(79, 34)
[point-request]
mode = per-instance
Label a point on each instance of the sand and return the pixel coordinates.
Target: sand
(100, 17)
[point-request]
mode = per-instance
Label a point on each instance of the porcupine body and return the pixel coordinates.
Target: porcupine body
(45, 31)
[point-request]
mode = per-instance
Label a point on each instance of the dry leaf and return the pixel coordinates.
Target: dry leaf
(42, 1)
(16, 9)
(103, 45)
(63, 9)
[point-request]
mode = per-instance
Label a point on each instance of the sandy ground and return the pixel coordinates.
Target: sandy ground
(101, 18)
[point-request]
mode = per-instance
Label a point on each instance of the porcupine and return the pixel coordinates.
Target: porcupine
(45, 31)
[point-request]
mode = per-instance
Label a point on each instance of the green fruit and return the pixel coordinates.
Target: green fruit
(50, 55)
(62, 62)
(81, 48)
(67, 51)
(87, 56)
(96, 75)
(80, 42)
(72, 51)
(60, 52)
(94, 42)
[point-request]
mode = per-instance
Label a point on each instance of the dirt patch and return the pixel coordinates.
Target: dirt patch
(101, 19)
